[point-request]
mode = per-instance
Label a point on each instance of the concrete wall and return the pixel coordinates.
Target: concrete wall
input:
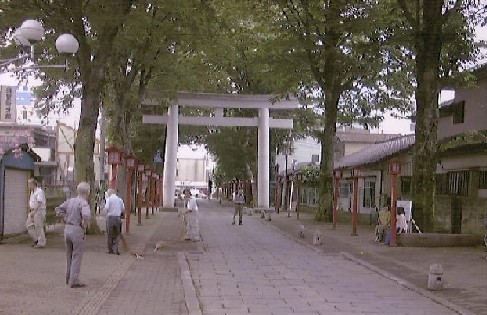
(475, 112)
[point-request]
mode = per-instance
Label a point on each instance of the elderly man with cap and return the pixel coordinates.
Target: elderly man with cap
(114, 207)
(76, 216)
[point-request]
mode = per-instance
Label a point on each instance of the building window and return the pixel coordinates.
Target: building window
(458, 183)
(459, 112)
(24, 114)
(483, 180)
(345, 189)
(369, 193)
(405, 184)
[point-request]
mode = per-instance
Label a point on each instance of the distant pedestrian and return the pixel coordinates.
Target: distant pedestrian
(383, 224)
(239, 201)
(192, 226)
(37, 214)
(186, 196)
(114, 206)
(76, 216)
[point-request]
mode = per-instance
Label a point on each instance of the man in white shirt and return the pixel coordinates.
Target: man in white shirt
(37, 214)
(114, 206)
(193, 227)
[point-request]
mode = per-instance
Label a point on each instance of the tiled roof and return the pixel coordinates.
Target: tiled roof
(376, 152)
(363, 137)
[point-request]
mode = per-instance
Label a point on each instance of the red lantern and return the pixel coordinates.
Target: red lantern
(114, 155)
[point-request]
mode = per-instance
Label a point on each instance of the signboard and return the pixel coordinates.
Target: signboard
(158, 157)
(7, 104)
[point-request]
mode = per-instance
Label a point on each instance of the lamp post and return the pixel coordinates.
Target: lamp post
(114, 159)
(148, 176)
(140, 172)
(337, 175)
(356, 173)
(32, 31)
(130, 164)
(395, 170)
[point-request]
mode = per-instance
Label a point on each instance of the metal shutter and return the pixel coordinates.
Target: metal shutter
(16, 201)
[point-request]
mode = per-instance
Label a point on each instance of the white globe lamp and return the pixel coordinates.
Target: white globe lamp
(67, 44)
(32, 30)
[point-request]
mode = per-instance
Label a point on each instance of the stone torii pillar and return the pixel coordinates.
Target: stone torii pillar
(218, 102)
(170, 161)
(263, 159)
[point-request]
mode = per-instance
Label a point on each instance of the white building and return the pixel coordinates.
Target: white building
(194, 167)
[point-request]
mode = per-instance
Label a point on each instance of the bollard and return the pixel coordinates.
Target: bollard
(435, 277)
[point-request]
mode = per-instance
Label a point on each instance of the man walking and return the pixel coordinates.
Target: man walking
(192, 225)
(37, 214)
(76, 215)
(114, 207)
(239, 201)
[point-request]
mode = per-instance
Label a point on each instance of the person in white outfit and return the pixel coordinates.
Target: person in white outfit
(192, 227)
(37, 215)
(402, 224)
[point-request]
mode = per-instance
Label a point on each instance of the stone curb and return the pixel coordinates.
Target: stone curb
(190, 296)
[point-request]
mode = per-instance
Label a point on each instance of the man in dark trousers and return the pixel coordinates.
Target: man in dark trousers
(239, 202)
(115, 207)
(76, 216)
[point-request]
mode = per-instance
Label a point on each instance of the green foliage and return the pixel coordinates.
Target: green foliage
(311, 176)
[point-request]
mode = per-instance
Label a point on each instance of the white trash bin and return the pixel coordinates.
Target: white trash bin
(435, 277)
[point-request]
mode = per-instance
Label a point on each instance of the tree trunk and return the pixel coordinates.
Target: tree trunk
(327, 140)
(85, 144)
(428, 45)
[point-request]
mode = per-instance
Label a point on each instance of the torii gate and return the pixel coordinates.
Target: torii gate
(218, 102)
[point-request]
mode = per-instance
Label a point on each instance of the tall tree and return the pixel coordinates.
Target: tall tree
(338, 50)
(95, 24)
(442, 43)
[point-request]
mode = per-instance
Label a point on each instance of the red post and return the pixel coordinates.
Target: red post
(128, 203)
(154, 192)
(139, 199)
(140, 172)
(355, 173)
(394, 170)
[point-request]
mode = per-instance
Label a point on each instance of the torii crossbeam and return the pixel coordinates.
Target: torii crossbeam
(218, 102)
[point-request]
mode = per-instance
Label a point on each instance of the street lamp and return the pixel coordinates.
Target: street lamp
(32, 31)
(114, 159)
(395, 170)
(140, 172)
(356, 173)
(130, 164)
(337, 175)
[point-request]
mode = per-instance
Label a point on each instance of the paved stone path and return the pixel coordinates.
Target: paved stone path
(253, 269)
